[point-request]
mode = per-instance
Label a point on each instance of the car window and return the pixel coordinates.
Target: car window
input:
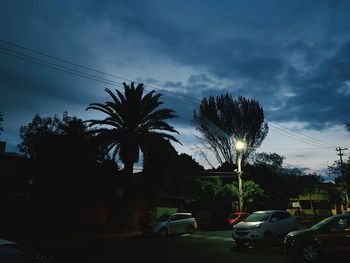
(322, 223)
(259, 216)
(163, 218)
(178, 217)
(280, 215)
(340, 223)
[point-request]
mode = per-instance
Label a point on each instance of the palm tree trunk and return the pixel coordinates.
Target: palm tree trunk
(129, 206)
(129, 168)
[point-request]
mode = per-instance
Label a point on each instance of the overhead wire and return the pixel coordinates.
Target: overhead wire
(174, 97)
(79, 73)
(301, 135)
(188, 98)
(296, 138)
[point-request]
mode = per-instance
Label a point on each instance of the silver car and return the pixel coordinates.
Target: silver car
(178, 223)
(263, 225)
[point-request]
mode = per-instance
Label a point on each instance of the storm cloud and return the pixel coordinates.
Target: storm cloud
(291, 56)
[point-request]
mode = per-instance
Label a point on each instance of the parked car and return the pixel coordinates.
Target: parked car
(262, 226)
(235, 218)
(178, 223)
(12, 252)
(332, 233)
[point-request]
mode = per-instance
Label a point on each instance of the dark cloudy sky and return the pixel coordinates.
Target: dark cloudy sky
(292, 56)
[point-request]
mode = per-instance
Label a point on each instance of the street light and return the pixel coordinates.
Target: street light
(240, 147)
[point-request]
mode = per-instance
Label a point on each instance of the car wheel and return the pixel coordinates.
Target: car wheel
(310, 252)
(190, 229)
(163, 232)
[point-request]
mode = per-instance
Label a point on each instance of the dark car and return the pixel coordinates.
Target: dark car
(332, 233)
(12, 252)
(235, 218)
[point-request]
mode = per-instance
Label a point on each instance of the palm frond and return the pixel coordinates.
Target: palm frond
(121, 97)
(158, 125)
(100, 107)
(115, 99)
(165, 135)
(160, 115)
(134, 121)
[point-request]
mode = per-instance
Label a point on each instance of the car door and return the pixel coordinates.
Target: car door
(336, 235)
(287, 222)
(184, 222)
(276, 224)
(174, 224)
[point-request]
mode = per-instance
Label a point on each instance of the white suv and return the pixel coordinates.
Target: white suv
(262, 225)
(178, 223)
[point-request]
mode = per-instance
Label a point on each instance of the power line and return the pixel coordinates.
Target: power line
(75, 72)
(187, 100)
(301, 138)
(292, 136)
(94, 70)
(60, 59)
(301, 148)
(56, 66)
(299, 134)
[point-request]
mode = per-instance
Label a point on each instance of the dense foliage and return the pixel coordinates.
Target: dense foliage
(65, 173)
(219, 199)
(133, 123)
(223, 120)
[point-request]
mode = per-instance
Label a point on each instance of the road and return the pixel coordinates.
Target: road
(211, 246)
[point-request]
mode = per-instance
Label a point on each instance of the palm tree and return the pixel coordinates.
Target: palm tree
(133, 122)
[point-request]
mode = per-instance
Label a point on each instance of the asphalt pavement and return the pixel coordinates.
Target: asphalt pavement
(209, 246)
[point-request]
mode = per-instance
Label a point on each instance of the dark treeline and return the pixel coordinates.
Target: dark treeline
(59, 173)
(67, 179)
(62, 182)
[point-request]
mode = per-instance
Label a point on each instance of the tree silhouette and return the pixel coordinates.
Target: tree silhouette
(272, 159)
(51, 136)
(134, 123)
(65, 174)
(159, 162)
(222, 121)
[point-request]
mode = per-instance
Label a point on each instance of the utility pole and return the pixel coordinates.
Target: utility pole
(240, 183)
(239, 148)
(339, 149)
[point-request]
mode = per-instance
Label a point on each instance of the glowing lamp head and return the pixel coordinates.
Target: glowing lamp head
(240, 146)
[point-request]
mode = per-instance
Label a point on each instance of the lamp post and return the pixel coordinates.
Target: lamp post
(239, 147)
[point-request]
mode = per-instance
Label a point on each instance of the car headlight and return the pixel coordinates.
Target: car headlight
(290, 240)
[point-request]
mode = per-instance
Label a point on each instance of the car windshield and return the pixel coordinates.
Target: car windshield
(258, 217)
(321, 223)
(163, 218)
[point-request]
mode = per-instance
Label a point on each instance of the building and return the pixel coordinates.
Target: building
(324, 200)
